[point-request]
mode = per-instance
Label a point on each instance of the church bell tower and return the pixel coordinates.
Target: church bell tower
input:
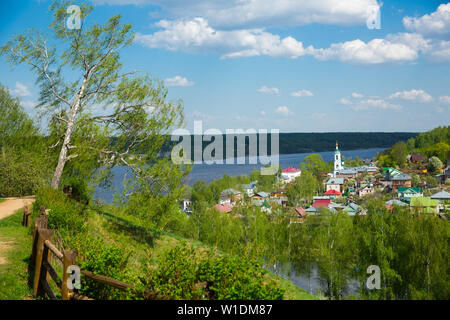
(337, 160)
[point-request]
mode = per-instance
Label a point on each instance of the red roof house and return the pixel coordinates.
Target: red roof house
(223, 207)
(332, 192)
(291, 170)
(298, 216)
(321, 203)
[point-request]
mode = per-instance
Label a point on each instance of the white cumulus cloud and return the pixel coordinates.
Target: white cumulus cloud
(178, 81)
(371, 104)
(357, 95)
(412, 95)
(267, 90)
(264, 13)
(445, 99)
(283, 110)
(302, 93)
(437, 22)
(197, 36)
(21, 90)
(375, 51)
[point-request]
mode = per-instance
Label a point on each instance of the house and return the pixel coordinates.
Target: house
(186, 206)
(298, 215)
(259, 197)
(332, 194)
(443, 197)
(365, 191)
(279, 196)
(223, 207)
(392, 203)
(265, 207)
(335, 184)
(289, 174)
(417, 158)
(311, 210)
(347, 173)
(396, 178)
(424, 205)
(405, 193)
(401, 180)
(250, 188)
(230, 196)
(322, 203)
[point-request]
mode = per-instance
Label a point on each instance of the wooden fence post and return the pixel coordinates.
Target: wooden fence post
(36, 226)
(40, 272)
(69, 258)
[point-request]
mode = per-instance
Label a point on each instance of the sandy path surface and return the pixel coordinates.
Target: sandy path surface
(11, 205)
(8, 208)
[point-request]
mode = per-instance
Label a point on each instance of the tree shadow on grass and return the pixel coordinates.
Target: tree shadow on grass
(137, 232)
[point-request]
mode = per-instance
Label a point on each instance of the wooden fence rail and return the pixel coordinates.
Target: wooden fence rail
(44, 272)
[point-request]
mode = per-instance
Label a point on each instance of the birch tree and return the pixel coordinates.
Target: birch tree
(84, 91)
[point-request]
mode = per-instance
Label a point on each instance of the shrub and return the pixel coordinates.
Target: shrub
(186, 274)
(66, 217)
(20, 174)
(98, 257)
(80, 189)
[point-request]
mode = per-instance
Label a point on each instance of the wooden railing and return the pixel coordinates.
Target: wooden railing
(41, 257)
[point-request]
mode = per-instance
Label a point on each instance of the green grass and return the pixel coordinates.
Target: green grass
(1, 200)
(124, 232)
(15, 250)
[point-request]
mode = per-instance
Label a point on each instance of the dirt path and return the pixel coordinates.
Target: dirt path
(8, 208)
(11, 205)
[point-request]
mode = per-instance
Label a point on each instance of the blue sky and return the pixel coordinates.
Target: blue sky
(292, 65)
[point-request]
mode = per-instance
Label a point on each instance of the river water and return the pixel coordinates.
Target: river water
(215, 171)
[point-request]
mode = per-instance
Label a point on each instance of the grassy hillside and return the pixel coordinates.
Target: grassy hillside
(123, 231)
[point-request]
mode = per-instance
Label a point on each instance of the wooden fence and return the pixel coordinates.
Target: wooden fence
(44, 272)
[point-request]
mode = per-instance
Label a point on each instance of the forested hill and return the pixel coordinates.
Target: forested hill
(319, 142)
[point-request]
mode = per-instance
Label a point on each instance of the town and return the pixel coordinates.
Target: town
(345, 189)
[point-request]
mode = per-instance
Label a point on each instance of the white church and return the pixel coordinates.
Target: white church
(341, 171)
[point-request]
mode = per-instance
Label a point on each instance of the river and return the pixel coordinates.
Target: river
(215, 171)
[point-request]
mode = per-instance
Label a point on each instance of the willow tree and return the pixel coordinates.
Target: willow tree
(86, 96)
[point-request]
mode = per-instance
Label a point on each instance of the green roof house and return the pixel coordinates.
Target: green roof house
(406, 193)
(425, 205)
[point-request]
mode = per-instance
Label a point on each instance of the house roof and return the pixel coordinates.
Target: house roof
(396, 203)
(223, 207)
(262, 194)
(291, 170)
(444, 195)
(417, 157)
(311, 209)
(321, 203)
(300, 211)
(332, 192)
(229, 192)
(401, 176)
(423, 202)
(409, 189)
(348, 171)
(335, 181)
